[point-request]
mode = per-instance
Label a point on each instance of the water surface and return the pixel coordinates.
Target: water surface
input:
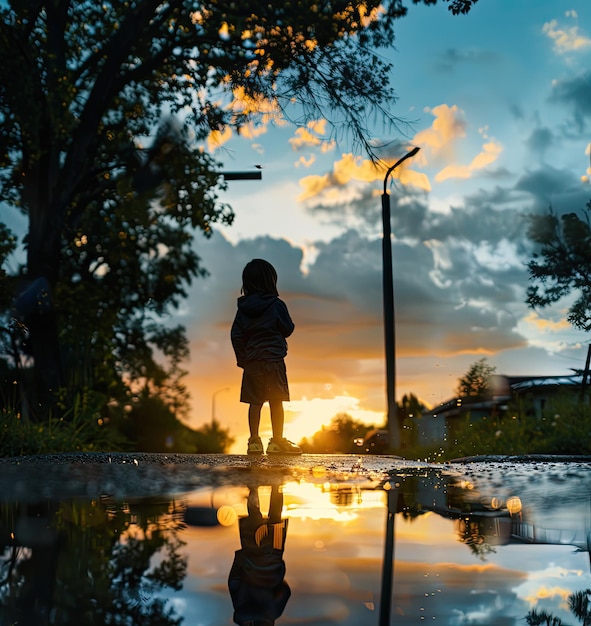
(485, 543)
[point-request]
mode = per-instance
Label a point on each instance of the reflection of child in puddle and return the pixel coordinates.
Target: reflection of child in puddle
(256, 581)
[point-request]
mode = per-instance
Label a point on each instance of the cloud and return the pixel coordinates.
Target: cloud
(549, 187)
(335, 186)
(490, 153)
(473, 594)
(313, 186)
(540, 140)
(575, 92)
(438, 146)
(566, 39)
(517, 112)
(251, 130)
(217, 138)
(243, 106)
(312, 135)
(546, 325)
(439, 140)
(453, 57)
(305, 162)
(493, 215)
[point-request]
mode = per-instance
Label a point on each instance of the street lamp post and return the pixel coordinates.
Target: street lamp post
(213, 395)
(388, 296)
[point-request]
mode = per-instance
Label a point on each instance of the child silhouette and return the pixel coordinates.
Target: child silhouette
(259, 332)
(257, 578)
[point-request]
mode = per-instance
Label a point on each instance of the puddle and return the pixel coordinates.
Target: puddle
(480, 544)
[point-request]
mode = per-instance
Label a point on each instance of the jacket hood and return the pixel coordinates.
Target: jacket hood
(255, 304)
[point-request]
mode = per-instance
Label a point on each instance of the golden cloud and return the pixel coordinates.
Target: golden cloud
(250, 130)
(303, 137)
(218, 138)
(305, 162)
(351, 168)
(244, 107)
(313, 185)
(453, 171)
(310, 135)
(489, 154)
(317, 126)
(438, 144)
(565, 39)
(546, 325)
(546, 593)
(265, 109)
(448, 126)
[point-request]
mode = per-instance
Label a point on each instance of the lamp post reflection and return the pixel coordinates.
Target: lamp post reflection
(388, 296)
(388, 564)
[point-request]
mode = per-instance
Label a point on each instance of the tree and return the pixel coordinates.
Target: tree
(96, 563)
(7, 247)
(476, 382)
(338, 437)
(213, 438)
(409, 407)
(562, 263)
(580, 604)
(542, 618)
(84, 85)
(409, 411)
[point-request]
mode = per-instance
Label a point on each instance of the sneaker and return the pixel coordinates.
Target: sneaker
(255, 446)
(282, 446)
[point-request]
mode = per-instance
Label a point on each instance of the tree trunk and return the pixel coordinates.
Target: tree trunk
(585, 374)
(36, 304)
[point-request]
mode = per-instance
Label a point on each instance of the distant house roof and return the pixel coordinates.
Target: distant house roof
(503, 388)
(529, 382)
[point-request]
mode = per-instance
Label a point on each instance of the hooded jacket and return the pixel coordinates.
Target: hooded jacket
(260, 328)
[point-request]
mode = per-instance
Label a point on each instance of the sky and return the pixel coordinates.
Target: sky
(499, 103)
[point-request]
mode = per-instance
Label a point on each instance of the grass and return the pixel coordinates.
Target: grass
(564, 428)
(79, 429)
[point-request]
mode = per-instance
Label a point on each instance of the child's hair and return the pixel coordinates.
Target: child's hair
(259, 276)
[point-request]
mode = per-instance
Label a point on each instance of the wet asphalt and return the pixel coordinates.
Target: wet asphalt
(142, 475)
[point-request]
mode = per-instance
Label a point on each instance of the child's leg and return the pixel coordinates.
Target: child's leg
(253, 505)
(277, 418)
(276, 504)
(254, 419)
